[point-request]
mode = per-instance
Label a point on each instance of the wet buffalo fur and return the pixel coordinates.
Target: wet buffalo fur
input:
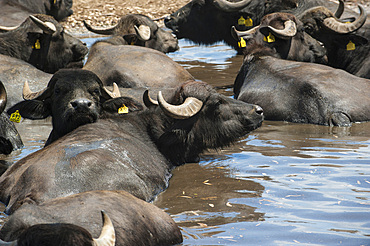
(55, 234)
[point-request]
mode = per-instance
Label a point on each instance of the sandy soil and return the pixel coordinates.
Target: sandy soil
(107, 12)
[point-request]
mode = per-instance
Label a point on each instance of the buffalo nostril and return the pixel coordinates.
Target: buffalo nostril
(81, 103)
(258, 110)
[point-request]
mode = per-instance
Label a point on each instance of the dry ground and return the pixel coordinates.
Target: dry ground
(107, 12)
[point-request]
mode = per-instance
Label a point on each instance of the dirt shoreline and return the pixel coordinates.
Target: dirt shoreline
(106, 13)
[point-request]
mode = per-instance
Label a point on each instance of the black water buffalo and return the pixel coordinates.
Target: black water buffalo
(210, 21)
(41, 41)
(9, 136)
(72, 98)
(62, 234)
(134, 66)
(345, 49)
(284, 33)
(136, 29)
(135, 222)
(133, 152)
(301, 92)
(14, 12)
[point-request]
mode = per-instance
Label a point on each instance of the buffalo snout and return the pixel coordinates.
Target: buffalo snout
(81, 104)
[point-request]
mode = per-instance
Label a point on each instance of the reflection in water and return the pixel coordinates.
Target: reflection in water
(283, 184)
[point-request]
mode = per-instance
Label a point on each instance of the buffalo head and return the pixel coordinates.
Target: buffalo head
(59, 9)
(136, 29)
(283, 33)
(209, 21)
(200, 119)
(9, 136)
(72, 98)
(41, 41)
(346, 48)
(65, 234)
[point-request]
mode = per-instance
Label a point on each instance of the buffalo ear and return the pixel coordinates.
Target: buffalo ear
(31, 109)
(343, 40)
(112, 105)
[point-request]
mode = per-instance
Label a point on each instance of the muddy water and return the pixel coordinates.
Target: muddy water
(283, 184)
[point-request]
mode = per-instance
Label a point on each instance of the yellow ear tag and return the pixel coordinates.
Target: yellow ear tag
(242, 43)
(37, 45)
(249, 21)
(132, 42)
(55, 1)
(351, 46)
(15, 117)
(269, 39)
(123, 110)
(241, 21)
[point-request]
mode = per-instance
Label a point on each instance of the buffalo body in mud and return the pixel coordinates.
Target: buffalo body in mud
(14, 12)
(134, 66)
(208, 21)
(301, 92)
(73, 97)
(131, 221)
(136, 29)
(41, 41)
(9, 136)
(134, 152)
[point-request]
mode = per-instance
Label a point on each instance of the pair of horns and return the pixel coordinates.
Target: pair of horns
(143, 31)
(290, 30)
(46, 26)
(107, 235)
(332, 21)
(189, 108)
(29, 95)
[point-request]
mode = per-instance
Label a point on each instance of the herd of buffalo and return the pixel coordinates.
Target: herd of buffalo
(123, 119)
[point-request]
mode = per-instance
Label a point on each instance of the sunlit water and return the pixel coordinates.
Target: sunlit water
(283, 184)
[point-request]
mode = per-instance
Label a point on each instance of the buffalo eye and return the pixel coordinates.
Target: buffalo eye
(56, 91)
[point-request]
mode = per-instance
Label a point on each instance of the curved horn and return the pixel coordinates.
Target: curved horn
(3, 97)
(231, 6)
(115, 93)
(103, 31)
(46, 26)
(28, 94)
(340, 9)
(343, 28)
(148, 101)
(107, 236)
(143, 32)
(190, 107)
(245, 34)
(8, 28)
(290, 29)
(12, 243)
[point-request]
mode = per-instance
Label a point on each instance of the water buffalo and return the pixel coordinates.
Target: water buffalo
(136, 29)
(72, 98)
(9, 136)
(284, 33)
(63, 234)
(134, 66)
(135, 221)
(301, 92)
(133, 152)
(210, 21)
(41, 41)
(345, 49)
(14, 12)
